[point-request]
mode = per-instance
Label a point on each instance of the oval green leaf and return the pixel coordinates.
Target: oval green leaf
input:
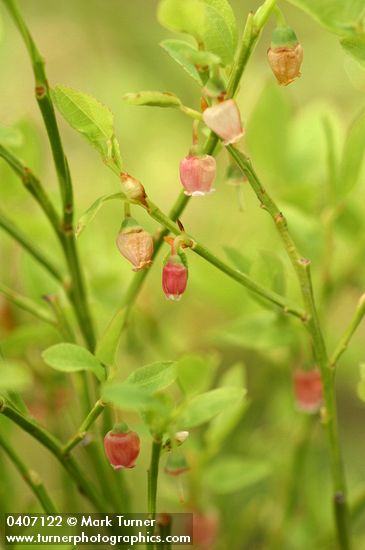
(206, 406)
(153, 99)
(67, 357)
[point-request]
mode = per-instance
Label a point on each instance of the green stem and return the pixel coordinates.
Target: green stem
(55, 447)
(349, 332)
(302, 268)
(27, 305)
(31, 478)
(62, 321)
(30, 247)
(153, 477)
(43, 96)
(241, 278)
(248, 41)
(83, 429)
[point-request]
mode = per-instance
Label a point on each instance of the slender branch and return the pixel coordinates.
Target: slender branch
(33, 185)
(153, 476)
(302, 268)
(43, 96)
(30, 247)
(27, 304)
(83, 429)
(55, 447)
(31, 478)
(349, 332)
(62, 322)
(241, 278)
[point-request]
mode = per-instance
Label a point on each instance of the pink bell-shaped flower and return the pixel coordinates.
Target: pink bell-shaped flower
(122, 447)
(308, 390)
(224, 119)
(197, 174)
(174, 277)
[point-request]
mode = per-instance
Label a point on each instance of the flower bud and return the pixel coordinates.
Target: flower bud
(180, 437)
(176, 464)
(285, 55)
(308, 390)
(132, 188)
(197, 174)
(224, 119)
(135, 244)
(121, 447)
(174, 277)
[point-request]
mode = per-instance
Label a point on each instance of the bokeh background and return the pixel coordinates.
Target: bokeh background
(111, 47)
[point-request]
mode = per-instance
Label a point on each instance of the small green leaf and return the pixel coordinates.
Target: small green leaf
(155, 377)
(91, 118)
(232, 474)
(10, 137)
(260, 331)
(67, 357)
(354, 44)
(269, 270)
(181, 51)
(153, 99)
(240, 261)
(204, 407)
(129, 397)
(194, 374)
(352, 156)
(223, 424)
(108, 343)
(14, 377)
(91, 212)
(210, 22)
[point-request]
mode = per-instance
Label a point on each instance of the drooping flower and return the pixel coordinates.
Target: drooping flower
(285, 55)
(197, 174)
(122, 447)
(174, 277)
(308, 390)
(135, 244)
(176, 464)
(224, 119)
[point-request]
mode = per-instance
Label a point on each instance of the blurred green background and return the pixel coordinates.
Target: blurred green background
(111, 47)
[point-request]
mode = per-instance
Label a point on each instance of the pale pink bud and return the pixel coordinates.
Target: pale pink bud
(174, 278)
(308, 390)
(197, 174)
(224, 119)
(136, 245)
(122, 447)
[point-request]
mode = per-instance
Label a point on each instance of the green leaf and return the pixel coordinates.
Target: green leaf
(204, 407)
(153, 99)
(108, 343)
(155, 377)
(269, 270)
(337, 16)
(223, 424)
(14, 377)
(194, 374)
(181, 51)
(260, 331)
(352, 157)
(10, 137)
(210, 22)
(67, 357)
(91, 118)
(232, 474)
(240, 261)
(354, 44)
(91, 212)
(129, 397)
